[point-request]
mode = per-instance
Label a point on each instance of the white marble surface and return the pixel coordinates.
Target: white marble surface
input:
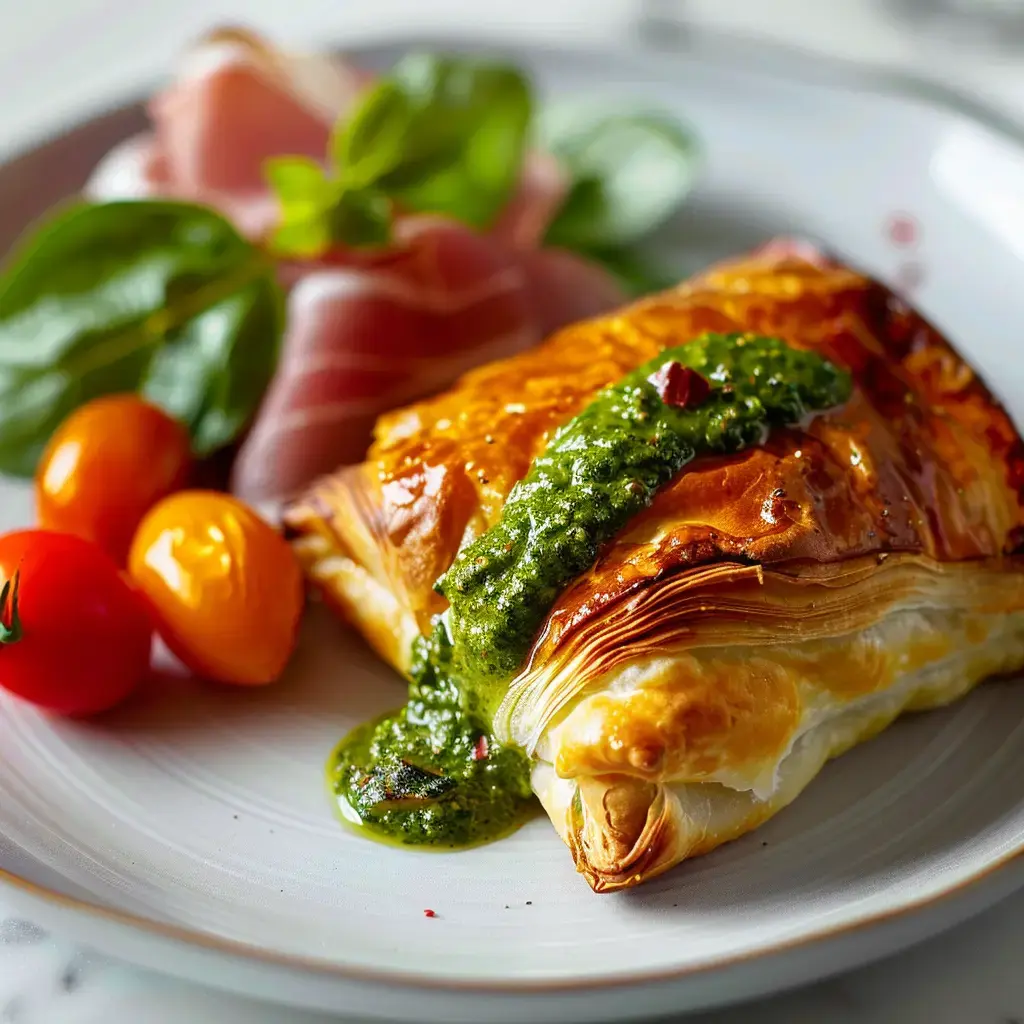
(969, 976)
(88, 52)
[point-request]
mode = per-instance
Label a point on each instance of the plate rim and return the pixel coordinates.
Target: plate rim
(238, 950)
(768, 59)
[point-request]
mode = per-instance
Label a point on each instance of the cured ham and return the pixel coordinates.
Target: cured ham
(542, 188)
(236, 101)
(365, 332)
(368, 336)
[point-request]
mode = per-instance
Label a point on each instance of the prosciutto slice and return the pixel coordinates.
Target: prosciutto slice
(236, 101)
(365, 338)
(365, 333)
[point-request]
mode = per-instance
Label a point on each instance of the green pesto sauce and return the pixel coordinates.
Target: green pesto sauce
(431, 774)
(601, 469)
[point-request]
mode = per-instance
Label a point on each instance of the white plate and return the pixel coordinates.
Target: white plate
(191, 831)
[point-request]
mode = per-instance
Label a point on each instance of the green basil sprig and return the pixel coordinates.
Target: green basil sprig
(159, 297)
(440, 135)
(629, 173)
(167, 299)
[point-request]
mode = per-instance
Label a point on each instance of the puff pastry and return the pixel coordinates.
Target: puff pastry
(768, 610)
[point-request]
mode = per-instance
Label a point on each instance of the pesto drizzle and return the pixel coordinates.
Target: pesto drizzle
(601, 469)
(432, 773)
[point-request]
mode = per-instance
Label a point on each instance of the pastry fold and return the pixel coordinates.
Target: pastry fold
(768, 611)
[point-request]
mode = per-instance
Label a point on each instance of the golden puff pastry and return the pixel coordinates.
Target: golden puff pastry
(767, 611)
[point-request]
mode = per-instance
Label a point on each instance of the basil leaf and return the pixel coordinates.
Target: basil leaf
(159, 297)
(629, 173)
(466, 139)
(315, 211)
(302, 239)
(298, 181)
(440, 135)
(363, 219)
(306, 197)
(375, 138)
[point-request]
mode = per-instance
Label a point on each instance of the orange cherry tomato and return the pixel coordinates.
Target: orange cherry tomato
(106, 465)
(224, 586)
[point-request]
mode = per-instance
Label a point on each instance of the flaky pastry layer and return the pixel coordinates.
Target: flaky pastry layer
(623, 829)
(765, 613)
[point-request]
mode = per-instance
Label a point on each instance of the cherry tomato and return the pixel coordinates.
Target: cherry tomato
(106, 465)
(75, 637)
(225, 589)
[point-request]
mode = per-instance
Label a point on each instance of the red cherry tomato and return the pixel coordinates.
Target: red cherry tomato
(74, 636)
(106, 465)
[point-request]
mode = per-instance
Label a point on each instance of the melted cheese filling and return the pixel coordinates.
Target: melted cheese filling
(734, 715)
(615, 822)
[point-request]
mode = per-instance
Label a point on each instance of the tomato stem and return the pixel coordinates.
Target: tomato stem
(10, 634)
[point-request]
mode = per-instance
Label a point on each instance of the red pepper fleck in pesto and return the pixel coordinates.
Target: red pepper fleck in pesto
(681, 386)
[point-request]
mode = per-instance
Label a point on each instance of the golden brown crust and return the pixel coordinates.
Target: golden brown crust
(730, 664)
(923, 459)
(768, 611)
(623, 829)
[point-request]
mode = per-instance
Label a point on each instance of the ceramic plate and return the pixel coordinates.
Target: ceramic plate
(192, 831)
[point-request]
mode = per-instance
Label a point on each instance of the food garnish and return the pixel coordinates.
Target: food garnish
(449, 135)
(167, 298)
(629, 172)
(107, 464)
(680, 386)
(75, 637)
(442, 135)
(159, 297)
(225, 590)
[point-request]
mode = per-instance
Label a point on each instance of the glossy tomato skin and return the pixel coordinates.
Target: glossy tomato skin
(225, 590)
(106, 465)
(85, 632)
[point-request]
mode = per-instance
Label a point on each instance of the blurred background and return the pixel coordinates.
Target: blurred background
(81, 53)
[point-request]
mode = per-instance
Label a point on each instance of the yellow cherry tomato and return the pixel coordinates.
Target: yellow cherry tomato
(105, 466)
(225, 589)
